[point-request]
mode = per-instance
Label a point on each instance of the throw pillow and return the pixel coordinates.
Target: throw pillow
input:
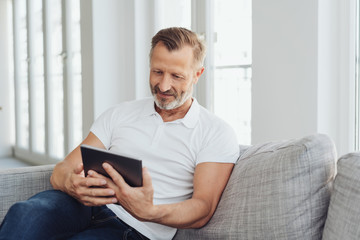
(344, 210)
(277, 191)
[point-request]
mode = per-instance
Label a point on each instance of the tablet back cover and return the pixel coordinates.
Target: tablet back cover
(130, 169)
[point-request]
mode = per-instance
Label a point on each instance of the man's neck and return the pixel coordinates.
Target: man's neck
(174, 114)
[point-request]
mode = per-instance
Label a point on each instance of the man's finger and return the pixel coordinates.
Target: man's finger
(79, 168)
(96, 182)
(115, 176)
(94, 174)
(98, 201)
(147, 182)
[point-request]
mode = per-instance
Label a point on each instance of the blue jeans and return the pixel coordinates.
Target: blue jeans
(55, 215)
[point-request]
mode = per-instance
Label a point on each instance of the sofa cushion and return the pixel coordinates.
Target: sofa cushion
(344, 211)
(277, 190)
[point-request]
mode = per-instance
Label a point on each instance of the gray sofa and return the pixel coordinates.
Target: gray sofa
(294, 189)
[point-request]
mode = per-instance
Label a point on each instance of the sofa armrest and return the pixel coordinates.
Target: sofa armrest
(19, 184)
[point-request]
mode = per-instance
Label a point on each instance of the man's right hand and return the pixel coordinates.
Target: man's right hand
(88, 190)
(68, 176)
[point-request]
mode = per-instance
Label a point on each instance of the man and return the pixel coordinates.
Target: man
(188, 155)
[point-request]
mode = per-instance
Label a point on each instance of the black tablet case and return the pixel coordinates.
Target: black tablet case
(130, 169)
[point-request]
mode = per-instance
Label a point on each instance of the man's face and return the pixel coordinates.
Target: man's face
(172, 76)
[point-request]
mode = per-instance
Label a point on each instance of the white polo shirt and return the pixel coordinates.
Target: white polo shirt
(170, 151)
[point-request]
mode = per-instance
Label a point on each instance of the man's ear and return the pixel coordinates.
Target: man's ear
(198, 74)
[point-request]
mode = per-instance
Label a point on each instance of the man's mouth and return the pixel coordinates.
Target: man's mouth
(165, 94)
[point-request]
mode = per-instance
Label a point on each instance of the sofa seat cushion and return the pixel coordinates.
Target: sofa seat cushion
(344, 211)
(277, 190)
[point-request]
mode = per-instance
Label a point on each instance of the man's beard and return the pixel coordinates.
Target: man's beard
(177, 102)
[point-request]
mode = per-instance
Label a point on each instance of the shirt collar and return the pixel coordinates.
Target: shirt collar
(192, 116)
(149, 108)
(190, 120)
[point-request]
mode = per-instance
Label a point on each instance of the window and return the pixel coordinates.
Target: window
(225, 87)
(47, 78)
(232, 65)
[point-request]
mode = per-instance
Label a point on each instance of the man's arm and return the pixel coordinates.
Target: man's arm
(210, 180)
(68, 176)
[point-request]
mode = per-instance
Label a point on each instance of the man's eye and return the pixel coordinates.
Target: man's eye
(157, 72)
(177, 76)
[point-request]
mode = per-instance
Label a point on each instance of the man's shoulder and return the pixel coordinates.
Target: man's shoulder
(218, 139)
(212, 123)
(208, 117)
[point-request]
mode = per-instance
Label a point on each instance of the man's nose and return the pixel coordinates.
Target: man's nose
(165, 83)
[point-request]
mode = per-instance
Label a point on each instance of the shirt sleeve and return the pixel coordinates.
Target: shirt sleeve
(102, 127)
(220, 146)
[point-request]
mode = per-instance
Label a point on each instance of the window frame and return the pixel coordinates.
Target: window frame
(202, 23)
(356, 96)
(347, 139)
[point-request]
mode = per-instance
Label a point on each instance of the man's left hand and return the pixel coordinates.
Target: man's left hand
(138, 201)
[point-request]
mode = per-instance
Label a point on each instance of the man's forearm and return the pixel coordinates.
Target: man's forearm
(63, 170)
(59, 175)
(192, 213)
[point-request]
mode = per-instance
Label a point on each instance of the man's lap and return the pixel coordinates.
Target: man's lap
(55, 215)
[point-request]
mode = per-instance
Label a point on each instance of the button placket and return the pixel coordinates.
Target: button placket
(158, 133)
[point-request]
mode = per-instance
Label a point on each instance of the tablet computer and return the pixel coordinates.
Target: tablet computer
(130, 169)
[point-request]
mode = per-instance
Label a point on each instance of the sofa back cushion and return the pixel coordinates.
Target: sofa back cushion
(344, 211)
(277, 190)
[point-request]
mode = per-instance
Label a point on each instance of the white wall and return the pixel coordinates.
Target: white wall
(299, 70)
(284, 82)
(6, 111)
